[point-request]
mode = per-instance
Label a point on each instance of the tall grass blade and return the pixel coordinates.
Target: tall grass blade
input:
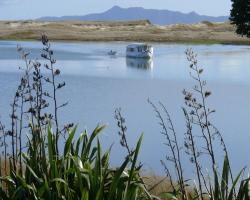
(224, 179)
(116, 179)
(69, 141)
(236, 180)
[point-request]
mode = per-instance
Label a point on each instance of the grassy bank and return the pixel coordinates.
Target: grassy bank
(202, 33)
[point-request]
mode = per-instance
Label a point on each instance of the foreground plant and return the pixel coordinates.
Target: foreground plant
(82, 171)
(200, 139)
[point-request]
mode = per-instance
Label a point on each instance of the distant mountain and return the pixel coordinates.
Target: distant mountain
(161, 17)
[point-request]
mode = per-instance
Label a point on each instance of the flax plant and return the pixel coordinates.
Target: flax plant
(174, 155)
(199, 130)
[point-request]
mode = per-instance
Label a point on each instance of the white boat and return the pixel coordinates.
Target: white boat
(139, 50)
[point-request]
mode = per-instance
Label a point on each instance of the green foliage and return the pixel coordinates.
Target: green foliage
(222, 189)
(240, 16)
(81, 172)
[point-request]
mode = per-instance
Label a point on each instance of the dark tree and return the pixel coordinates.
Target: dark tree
(240, 16)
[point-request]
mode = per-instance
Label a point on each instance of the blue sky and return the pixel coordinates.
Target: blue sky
(30, 9)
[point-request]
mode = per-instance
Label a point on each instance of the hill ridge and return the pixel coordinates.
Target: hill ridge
(155, 16)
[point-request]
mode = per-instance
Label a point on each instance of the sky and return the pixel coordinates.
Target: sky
(31, 9)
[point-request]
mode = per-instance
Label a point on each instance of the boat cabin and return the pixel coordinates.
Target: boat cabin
(139, 50)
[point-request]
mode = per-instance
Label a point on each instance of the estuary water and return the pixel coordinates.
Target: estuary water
(97, 84)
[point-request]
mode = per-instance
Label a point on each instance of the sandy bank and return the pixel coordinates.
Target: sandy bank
(204, 32)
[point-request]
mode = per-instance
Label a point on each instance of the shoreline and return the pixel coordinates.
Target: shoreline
(129, 31)
(193, 42)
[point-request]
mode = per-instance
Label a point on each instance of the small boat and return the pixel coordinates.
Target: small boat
(112, 53)
(139, 50)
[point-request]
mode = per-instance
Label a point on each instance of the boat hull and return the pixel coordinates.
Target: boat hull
(139, 55)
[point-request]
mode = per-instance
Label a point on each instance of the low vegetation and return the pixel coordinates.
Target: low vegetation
(141, 30)
(43, 159)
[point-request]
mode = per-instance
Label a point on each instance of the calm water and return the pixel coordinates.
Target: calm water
(98, 83)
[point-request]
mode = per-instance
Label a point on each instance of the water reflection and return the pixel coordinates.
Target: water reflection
(140, 63)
